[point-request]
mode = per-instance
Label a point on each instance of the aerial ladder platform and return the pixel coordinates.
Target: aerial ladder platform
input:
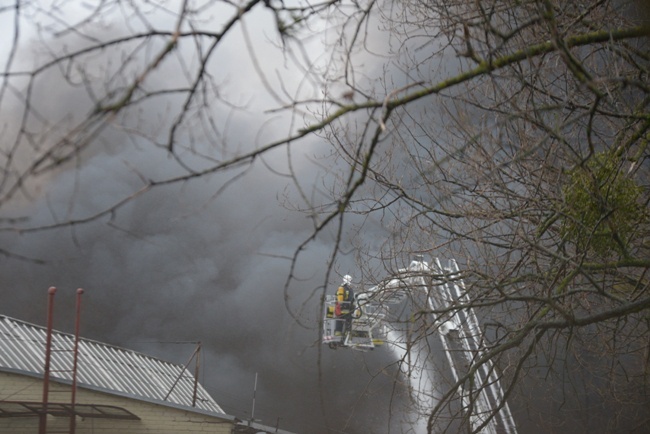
(482, 399)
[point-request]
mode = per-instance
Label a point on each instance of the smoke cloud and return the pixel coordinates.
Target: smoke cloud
(189, 262)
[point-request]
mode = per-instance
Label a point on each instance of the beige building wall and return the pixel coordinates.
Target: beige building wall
(155, 418)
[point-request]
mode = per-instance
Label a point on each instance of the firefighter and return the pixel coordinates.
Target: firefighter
(344, 306)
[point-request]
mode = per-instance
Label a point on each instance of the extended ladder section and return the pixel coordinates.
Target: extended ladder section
(482, 398)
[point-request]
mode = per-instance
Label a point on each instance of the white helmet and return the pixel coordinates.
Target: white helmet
(347, 279)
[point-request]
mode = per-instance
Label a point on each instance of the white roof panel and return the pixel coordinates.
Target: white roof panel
(100, 366)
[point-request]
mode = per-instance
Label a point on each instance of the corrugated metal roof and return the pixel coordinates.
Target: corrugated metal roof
(99, 366)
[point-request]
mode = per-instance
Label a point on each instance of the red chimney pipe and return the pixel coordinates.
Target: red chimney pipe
(73, 416)
(42, 425)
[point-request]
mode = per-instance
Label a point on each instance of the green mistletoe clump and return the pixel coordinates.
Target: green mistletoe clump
(602, 206)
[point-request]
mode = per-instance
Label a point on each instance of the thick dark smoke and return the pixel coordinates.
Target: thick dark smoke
(178, 265)
(189, 262)
(183, 264)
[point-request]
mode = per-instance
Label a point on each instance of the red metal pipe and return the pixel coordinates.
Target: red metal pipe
(73, 417)
(196, 373)
(42, 425)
